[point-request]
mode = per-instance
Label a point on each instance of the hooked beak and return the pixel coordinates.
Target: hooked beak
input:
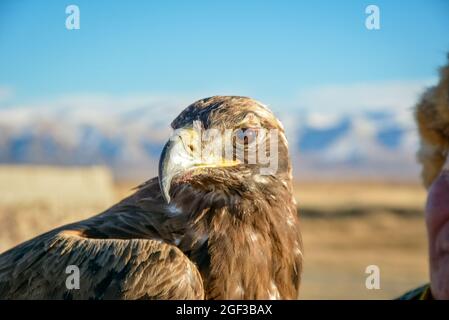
(175, 159)
(183, 153)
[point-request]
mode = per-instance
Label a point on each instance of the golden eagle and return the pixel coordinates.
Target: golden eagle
(215, 227)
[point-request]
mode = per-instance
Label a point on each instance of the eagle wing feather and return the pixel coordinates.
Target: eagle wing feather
(119, 255)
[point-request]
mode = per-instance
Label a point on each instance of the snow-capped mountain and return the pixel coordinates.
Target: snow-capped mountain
(375, 144)
(129, 140)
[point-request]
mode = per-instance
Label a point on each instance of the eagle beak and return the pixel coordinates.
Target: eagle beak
(175, 159)
(183, 152)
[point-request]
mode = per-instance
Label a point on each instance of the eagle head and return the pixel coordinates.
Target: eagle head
(224, 148)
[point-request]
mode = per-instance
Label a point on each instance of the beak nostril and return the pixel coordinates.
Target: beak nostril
(191, 147)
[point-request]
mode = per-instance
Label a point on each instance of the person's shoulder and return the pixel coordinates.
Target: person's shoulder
(421, 293)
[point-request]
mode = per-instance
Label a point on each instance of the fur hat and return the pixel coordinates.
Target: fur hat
(432, 117)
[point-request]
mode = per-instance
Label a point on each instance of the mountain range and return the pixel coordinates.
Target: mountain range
(366, 144)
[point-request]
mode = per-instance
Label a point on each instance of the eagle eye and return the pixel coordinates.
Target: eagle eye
(245, 136)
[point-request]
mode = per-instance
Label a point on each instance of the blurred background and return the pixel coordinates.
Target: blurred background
(84, 114)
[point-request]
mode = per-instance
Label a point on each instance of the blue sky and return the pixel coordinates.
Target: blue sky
(272, 50)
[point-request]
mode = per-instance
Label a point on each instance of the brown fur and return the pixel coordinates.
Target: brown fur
(432, 116)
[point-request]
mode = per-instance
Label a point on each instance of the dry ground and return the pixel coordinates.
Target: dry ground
(34, 199)
(346, 225)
